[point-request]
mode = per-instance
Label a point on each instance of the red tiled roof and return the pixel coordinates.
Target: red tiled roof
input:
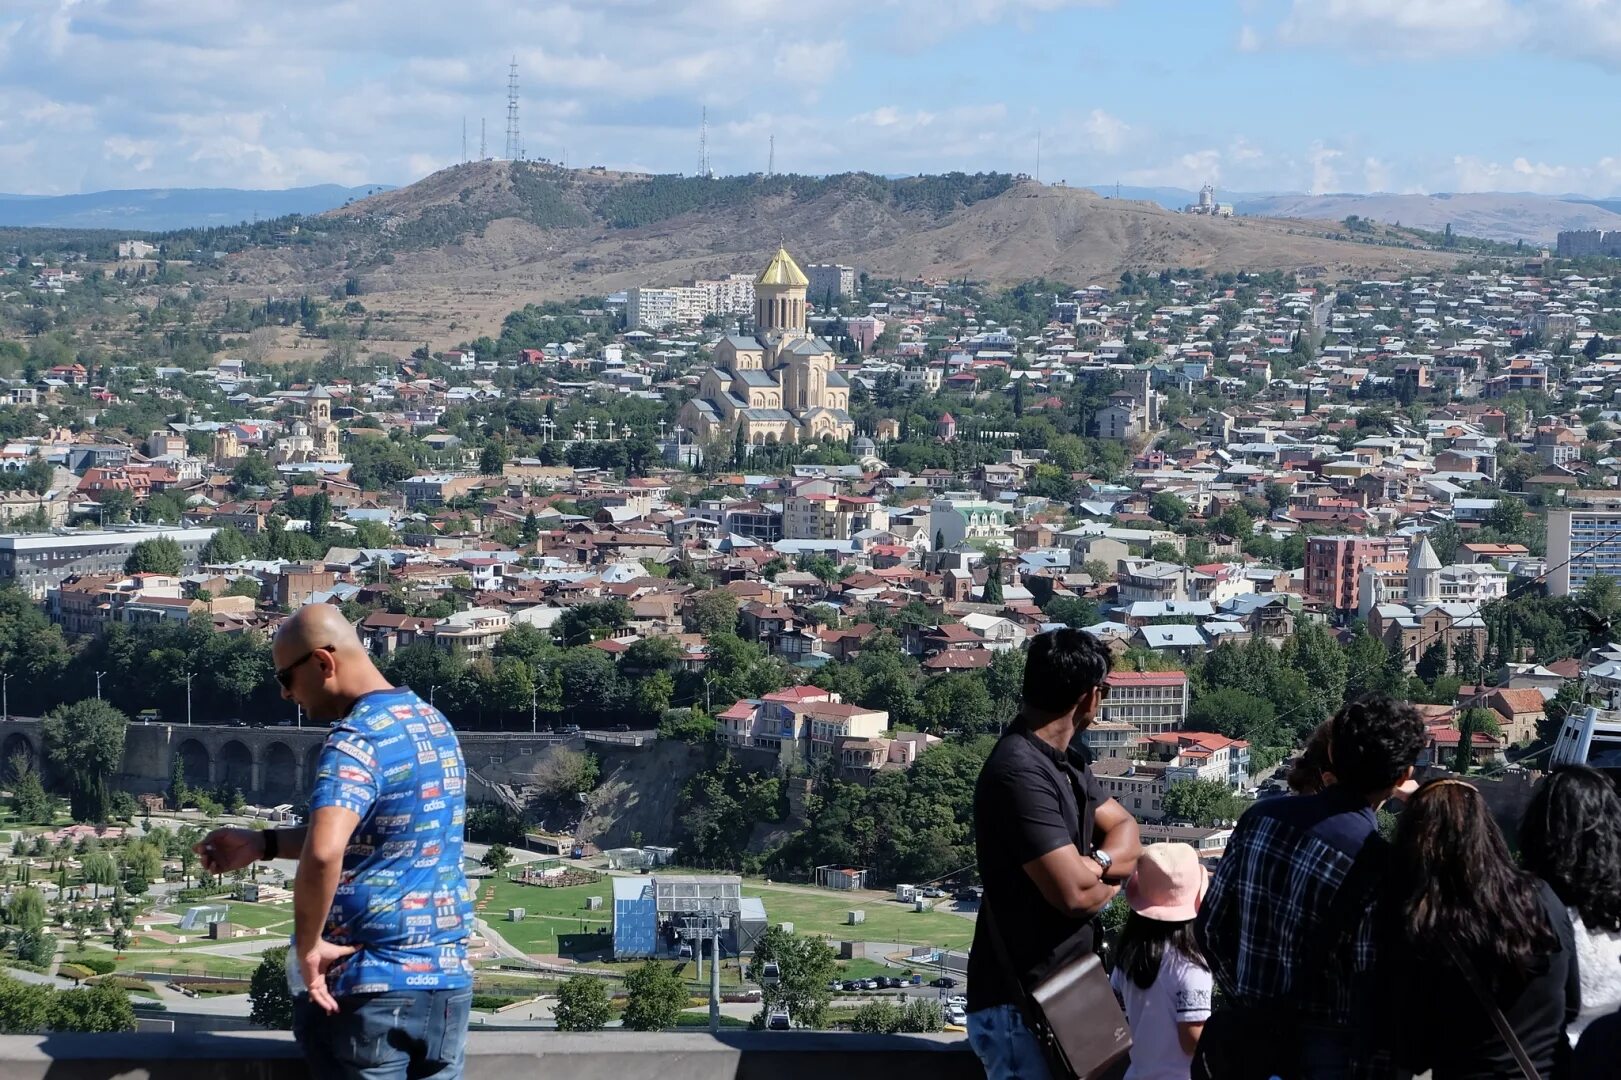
(1146, 678)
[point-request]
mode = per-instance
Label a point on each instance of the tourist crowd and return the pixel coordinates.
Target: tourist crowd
(1319, 949)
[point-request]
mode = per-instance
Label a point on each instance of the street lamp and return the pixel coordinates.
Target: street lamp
(189, 676)
(534, 703)
(99, 674)
(5, 696)
(431, 691)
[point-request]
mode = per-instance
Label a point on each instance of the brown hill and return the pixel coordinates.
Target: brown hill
(471, 243)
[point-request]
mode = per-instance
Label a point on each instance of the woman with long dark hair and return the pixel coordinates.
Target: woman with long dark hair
(1463, 922)
(1570, 837)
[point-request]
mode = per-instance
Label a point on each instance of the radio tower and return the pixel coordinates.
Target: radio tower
(703, 146)
(771, 158)
(482, 155)
(514, 142)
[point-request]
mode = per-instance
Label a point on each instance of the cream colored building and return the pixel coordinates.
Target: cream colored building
(314, 437)
(778, 386)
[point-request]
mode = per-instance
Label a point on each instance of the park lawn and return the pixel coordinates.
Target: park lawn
(254, 916)
(548, 912)
(701, 1020)
(226, 967)
(867, 969)
(886, 920)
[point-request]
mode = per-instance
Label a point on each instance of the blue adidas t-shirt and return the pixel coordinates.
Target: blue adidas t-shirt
(403, 898)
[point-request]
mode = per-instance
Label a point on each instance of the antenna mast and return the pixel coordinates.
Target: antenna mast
(703, 144)
(771, 158)
(514, 141)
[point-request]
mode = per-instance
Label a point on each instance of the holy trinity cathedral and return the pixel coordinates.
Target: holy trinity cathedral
(778, 386)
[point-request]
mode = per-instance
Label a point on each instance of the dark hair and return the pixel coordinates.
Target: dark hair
(1570, 837)
(1453, 881)
(1061, 668)
(1142, 946)
(1374, 740)
(1306, 775)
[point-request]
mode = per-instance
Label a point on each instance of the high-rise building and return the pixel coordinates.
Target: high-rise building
(1583, 543)
(651, 309)
(830, 281)
(1334, 565)
(36, 563)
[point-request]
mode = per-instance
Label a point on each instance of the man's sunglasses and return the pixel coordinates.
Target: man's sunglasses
(285, 675)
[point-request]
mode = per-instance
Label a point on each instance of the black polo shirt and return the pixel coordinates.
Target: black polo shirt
(1030, 799)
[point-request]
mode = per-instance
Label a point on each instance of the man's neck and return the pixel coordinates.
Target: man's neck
(360, 690)
(1056, 732)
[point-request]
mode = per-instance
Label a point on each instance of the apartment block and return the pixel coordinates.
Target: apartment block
(1583, 544)
(829, 280)
(1334, 565)
(1152, 702)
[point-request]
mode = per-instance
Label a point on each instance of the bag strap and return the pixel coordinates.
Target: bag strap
(1499, 1021)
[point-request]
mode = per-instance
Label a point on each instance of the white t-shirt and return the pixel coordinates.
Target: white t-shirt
(1180, 995)
(1598, 961)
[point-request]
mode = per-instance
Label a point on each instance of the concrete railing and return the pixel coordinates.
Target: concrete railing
(607, 1055)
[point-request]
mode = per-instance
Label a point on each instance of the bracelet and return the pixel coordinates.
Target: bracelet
(272, 846)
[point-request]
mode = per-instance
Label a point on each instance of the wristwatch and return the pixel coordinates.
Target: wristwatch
(1104, 861)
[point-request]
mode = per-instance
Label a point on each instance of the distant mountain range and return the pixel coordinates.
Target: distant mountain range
(1492, 215)
(163, 209)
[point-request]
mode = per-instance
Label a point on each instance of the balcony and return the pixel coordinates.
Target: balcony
(608, 1055)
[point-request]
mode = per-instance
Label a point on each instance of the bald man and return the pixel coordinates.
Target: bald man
(381, 907)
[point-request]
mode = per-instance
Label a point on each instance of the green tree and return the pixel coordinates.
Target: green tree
(227, 545)
(492, 459)
(582, 1004)
(805, 966)
(714, 612)
(1074, 611)
(956, 702)
(102, 1007)
(992, 593)
(26, 911)
(270, 1004)
(1432, 664)
(496, 859)
(1203, 802)
(652, 695)
(29, 800)
(158, 556)
(254, 470)
(655, 997)
(877, 1018)
(247, 586)
(99, 870)
(1167, 508)
(85, 743)
(25, 1008)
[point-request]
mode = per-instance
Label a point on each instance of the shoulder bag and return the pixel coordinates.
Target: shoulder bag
(1072, 1011)
(1499, 1021)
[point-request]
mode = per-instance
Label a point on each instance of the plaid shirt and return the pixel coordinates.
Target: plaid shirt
(1271, 895)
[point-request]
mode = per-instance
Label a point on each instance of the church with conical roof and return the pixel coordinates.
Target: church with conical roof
(779, 385)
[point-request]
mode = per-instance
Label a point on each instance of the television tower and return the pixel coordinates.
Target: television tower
(703, 146)
(771, 158)
(514, 142)
(482, 156)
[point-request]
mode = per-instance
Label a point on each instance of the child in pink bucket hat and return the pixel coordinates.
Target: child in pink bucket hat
(1159, 974)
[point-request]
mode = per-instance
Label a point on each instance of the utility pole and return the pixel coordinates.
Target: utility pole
(714, 978)
(534, 701)
(189, 676)
(771, 158)
(5, 696)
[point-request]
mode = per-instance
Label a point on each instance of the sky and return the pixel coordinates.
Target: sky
(1250, 95)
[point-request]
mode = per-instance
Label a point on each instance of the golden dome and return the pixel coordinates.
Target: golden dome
(782, 270)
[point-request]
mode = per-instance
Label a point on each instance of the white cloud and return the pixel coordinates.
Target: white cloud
(1191, 170)
(1376, 175)
(1249, 39)
(1324, 176)
(1104, 134)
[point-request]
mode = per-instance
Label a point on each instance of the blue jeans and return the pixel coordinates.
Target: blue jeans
(1005, 1046)
(397, 1035)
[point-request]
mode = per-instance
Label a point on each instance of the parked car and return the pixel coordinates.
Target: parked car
(896, 982)
(778, 1021)
(957, 1001)
(944, 982)
(834, 986)
(850, 986)
(620, 727)
(956, 1015)
(871, 984)
(569, 729)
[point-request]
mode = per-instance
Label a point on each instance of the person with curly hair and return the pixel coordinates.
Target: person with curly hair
(1312, 771)
(1458, 920)
(1570, 837)
(1285, 928)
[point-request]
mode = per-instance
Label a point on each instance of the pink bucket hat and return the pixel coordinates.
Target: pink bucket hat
(1168, 883)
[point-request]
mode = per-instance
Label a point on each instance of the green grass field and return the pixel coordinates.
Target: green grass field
(229, 967)
(886, 920)
(549, 913)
